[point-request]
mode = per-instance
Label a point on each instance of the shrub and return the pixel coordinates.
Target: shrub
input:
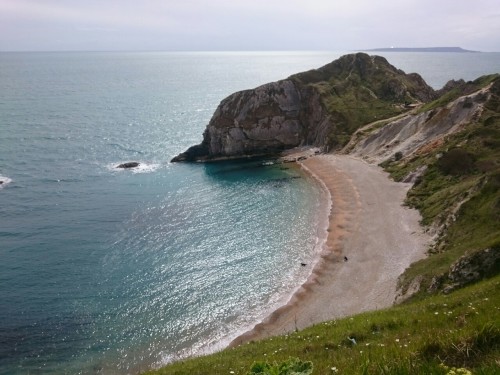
(293, 366)
(456, 162)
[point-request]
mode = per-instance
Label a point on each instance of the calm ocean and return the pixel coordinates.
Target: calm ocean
(111, 271)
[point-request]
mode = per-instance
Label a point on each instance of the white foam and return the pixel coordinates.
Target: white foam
(5, 181)
(141, 168)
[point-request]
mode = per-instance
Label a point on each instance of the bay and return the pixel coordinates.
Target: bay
(113, 271)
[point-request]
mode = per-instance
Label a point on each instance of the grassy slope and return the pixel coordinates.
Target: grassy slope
(461, 329)
(477, 185)
(358, 89)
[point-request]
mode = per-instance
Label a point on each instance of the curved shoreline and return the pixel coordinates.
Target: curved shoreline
(369, 226)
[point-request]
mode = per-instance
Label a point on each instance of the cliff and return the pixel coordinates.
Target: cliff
(321, 108)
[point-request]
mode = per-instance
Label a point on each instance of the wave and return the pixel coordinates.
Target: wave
(124, 148)
(4, 181)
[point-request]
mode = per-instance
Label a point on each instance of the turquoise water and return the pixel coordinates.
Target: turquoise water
(111, 271)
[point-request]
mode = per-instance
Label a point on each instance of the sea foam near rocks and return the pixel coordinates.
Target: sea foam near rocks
(4, 181)
(141, 168)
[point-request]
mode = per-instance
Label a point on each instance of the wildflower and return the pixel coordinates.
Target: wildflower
(397, 340)
(335, 369)
(436, 313)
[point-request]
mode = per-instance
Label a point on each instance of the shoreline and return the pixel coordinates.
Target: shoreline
(370, 227)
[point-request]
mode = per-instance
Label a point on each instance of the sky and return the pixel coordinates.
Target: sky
(249, 25)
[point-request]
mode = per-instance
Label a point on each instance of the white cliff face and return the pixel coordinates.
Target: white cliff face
(412, 133)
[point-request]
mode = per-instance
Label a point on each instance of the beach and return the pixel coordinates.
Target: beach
(370, 239)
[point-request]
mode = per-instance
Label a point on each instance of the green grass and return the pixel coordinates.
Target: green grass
(461, 329)
(455, 93)
(357, 90)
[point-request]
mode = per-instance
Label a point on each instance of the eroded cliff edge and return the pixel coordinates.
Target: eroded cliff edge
(320, 107)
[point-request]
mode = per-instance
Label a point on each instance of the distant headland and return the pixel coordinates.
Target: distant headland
(423, 49)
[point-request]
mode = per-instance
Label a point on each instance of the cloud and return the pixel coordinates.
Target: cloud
(257, 24)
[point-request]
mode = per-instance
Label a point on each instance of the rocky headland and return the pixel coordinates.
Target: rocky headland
(320, 108)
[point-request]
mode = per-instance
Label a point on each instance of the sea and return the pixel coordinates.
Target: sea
(112, 271)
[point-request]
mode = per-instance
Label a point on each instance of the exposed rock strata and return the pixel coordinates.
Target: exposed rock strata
(414, 133)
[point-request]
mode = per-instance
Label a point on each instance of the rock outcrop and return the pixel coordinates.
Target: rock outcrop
(468, 269)
(414, 133)
(128, 165)
(320, 108)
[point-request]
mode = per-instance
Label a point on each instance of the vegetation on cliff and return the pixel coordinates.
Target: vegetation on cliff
(458, 195)
(358, 89)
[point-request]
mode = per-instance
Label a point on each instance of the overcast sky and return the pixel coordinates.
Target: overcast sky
(201, 25)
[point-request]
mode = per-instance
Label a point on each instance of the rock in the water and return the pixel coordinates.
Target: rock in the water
(130, 164)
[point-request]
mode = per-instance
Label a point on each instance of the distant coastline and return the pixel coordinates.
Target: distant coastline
(423, 49)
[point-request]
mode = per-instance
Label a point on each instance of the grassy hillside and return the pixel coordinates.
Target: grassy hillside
(459, 193)
(459, 330)
(358, 89)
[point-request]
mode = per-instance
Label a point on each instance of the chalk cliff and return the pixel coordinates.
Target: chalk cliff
(321, 107)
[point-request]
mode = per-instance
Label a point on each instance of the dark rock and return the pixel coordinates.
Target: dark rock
(467, 269)
(130, 164)
(471, 268)
(193, 153)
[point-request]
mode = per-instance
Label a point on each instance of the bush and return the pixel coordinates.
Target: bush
(293, 366)
(456, 162)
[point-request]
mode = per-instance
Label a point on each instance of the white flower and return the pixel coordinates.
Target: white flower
(335, 369)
